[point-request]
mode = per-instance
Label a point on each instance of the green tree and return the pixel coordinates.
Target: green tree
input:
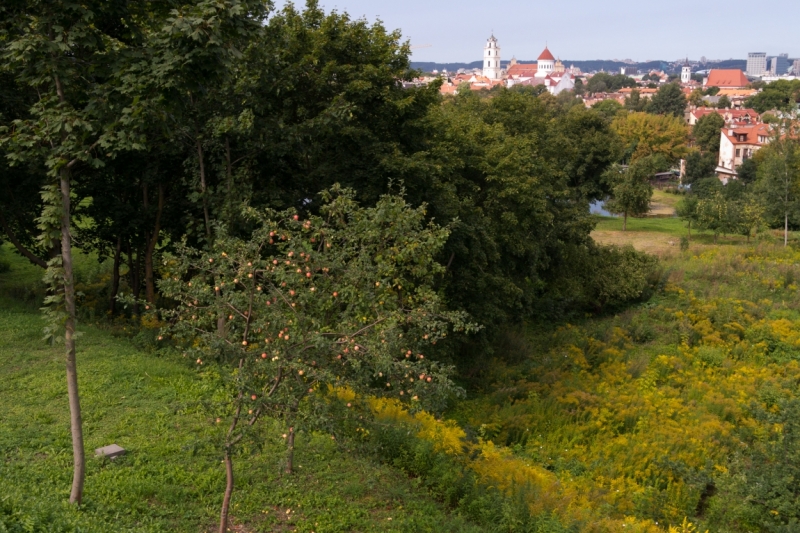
(706, 132)
(686, 210)
(51, 48)
(608, 109)
(696, 98)
(724, 102)
(715, 213)
(342, 302)
(631, 190)
(782, 95)
(635, 102)
(669, 100)
(604, 82)
(699, 166)
(644, 135)
(748, 171)
(779, 182)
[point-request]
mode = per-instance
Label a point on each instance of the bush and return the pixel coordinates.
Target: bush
(5, 266)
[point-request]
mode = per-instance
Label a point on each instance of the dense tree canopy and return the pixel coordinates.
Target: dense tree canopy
(707, 132)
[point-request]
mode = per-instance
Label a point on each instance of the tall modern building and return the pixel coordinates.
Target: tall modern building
(491, 60)
(756, 64)
(796, 69)
(779, 64)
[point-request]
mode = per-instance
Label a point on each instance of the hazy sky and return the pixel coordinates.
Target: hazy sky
(587, 29)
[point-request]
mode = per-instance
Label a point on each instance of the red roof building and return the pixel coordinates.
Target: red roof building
(727, 79)
(546, 55)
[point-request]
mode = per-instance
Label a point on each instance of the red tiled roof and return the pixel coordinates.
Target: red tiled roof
(747, 134)
(727, 78)
(523, 70)
(546, 55)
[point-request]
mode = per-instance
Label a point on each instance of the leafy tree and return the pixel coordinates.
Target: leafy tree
(686, 210)
(580, 88)
(699, 166)
(608, 109)
(669, 100)
(750, 214)
(644, 135)
(724, 102)
(707, 134)
(631, 190)
(696, 98)
(342, 301)
(635, 102)
(52, 48)
(604, 82)
(779, 181)
(748, 171)
(782, 95)
(717, 214)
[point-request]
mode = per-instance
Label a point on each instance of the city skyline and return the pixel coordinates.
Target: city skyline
(579, 29)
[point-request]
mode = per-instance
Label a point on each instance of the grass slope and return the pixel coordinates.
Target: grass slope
(171, 479)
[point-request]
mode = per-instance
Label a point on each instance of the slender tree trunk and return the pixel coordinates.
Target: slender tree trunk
(226, 500)
(115, 277)
(203, 186)
(152, 240)
(133, 277)
(689, 228)
(785, 228)
(76, 425)
(625, 221)
(290, 451)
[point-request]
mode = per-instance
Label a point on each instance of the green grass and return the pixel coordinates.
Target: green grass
(672, 226)
(171, 479)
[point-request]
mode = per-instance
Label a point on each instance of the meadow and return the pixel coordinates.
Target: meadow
(650, 418)
(171, 478)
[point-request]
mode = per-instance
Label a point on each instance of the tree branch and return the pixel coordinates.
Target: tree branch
(30, 256)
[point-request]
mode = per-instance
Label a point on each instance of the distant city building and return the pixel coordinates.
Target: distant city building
(779, 65)
(491, 60)
(686, 72)
(796, 67)
(756, 64)
(738, 145)
(546, 64)
(727, 78)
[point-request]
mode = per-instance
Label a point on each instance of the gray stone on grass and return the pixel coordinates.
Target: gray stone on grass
(112, 451)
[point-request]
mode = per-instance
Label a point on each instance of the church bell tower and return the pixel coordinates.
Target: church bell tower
(491, 59)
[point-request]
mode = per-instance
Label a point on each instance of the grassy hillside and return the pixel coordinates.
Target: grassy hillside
(171, 479)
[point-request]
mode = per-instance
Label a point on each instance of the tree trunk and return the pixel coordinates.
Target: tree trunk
(203, 187)
(715, 238)
(152, 240)
(625, 221)
(785, 228)
(689, 229)
(115, 277)
(226, 500)
(76, 425)
(290, 451)
(133, 277)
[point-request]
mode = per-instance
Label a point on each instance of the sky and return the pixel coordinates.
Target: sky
(586, 29)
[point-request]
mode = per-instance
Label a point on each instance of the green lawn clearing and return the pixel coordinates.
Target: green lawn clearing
(171, 479)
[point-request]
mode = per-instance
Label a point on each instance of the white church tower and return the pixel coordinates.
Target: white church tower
(491, 60)
(686, 72)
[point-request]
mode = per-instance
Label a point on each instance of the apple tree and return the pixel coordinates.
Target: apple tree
(303, 308)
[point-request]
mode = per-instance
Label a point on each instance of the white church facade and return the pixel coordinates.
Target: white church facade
(491, 60)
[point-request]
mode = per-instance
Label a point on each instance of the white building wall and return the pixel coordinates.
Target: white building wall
(491, 60)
